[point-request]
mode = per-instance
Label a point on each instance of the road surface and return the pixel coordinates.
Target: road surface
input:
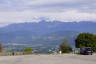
(49, 59)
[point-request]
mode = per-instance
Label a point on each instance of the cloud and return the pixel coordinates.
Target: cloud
(71, 15)
(15, 11)
(46, 5)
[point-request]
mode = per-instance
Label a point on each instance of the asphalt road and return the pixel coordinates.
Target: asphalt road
(49, 59)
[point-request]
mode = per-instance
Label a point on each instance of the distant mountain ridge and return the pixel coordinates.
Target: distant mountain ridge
(44, 33)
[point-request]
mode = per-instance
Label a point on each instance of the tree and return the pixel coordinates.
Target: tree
(27, 50)
(64, 47)
(1, 47)
(86, 40)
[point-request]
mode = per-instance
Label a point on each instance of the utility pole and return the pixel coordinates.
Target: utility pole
(13, 48)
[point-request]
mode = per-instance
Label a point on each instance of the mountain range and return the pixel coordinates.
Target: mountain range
(44, 32)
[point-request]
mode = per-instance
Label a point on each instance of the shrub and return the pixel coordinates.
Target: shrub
(64, 47)
(1, 48)
(27, 50)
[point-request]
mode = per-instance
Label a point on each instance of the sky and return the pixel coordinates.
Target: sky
(18, 11)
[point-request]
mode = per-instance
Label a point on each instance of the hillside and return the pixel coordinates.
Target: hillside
(44, 33)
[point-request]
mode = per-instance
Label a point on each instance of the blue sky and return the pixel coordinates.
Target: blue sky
(17, 11)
